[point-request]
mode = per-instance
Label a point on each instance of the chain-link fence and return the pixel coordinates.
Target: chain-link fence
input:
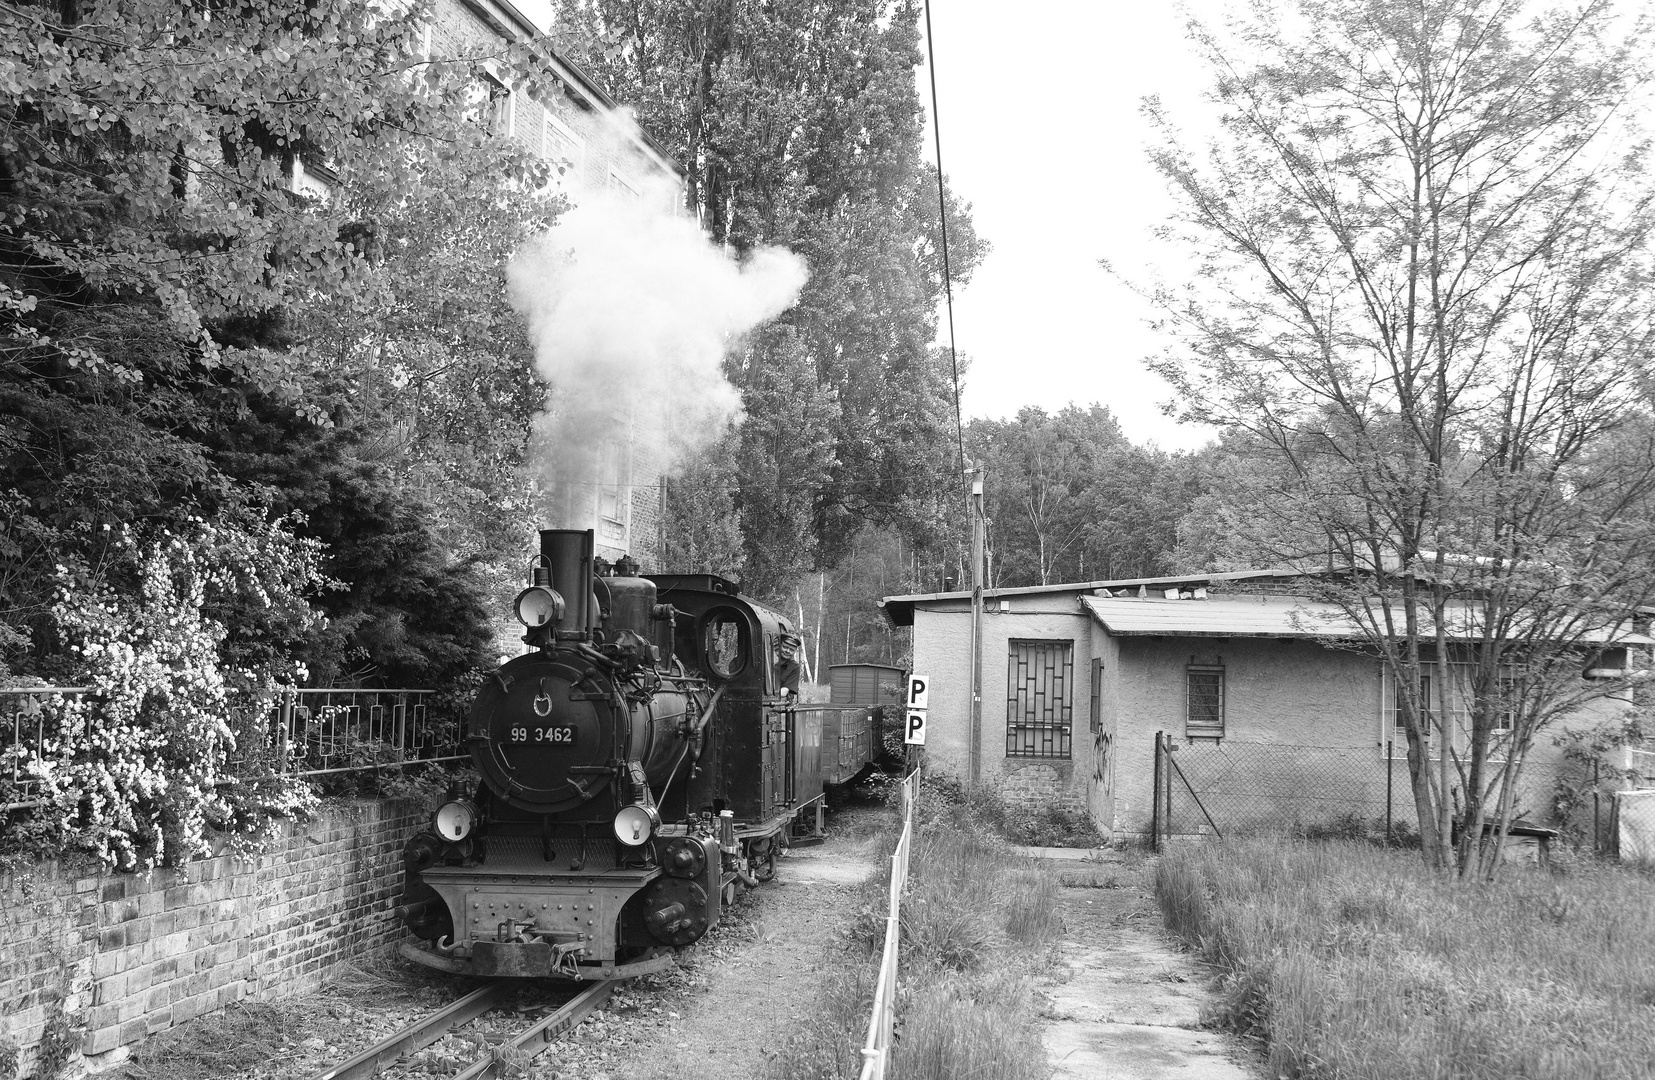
(1226, 788)
(1634, 826)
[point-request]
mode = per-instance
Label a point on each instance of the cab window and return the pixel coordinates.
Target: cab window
(724, 642)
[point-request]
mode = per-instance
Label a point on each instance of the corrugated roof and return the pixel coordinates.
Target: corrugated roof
(1269, 617)
(900, 609)
(1276, 617)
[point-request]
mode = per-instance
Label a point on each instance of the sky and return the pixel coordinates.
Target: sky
(1042, 134)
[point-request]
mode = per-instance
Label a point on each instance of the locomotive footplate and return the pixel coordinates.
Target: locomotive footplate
(533, 925)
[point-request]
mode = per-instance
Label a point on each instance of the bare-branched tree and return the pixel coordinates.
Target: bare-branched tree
(1424, 307)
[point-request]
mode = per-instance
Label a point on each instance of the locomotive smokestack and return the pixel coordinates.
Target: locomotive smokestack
(568, 552)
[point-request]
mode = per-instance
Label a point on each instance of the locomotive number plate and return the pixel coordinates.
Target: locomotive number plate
(562, 734)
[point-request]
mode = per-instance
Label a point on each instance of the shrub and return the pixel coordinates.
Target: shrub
(133, 772)
(1038, 824)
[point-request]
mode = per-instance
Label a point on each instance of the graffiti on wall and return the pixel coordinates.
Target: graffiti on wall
(1103, 770)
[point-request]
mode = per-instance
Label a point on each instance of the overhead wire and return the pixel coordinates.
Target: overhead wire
(942, 221)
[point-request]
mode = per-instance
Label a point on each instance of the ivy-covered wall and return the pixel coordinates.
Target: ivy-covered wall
(91, 960)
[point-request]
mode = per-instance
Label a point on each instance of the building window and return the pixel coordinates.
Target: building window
(1039, 708)
(1505, 710)
(614, 492)
(564, 149)
(1504, 704)
(489, 103)
(1427, 702)
(1205, 702)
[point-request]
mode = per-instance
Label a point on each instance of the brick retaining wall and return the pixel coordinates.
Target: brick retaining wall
(91, 961)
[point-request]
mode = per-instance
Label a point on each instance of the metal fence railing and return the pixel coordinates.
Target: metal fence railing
(876, 1050)
(309, 733)
(25, 712)
(322, 731)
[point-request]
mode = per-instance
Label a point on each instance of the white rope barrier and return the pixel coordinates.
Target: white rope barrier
(876, 1050)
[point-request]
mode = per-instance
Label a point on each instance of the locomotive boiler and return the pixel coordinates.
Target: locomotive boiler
(638, 765)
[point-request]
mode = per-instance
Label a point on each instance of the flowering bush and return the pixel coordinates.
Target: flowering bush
(135, 770)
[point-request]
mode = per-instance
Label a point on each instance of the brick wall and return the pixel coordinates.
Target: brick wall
(1042, 783)
(94, 960)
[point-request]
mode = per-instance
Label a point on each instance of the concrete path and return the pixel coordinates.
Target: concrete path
(1130, 1008)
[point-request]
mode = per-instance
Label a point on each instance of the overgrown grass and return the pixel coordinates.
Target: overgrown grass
(1354, 962)
(977, 921)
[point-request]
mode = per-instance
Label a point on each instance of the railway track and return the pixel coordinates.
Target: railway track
(528, 1043)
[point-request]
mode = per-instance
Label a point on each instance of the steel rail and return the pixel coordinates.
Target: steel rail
(534, 1041)
(422, 1032)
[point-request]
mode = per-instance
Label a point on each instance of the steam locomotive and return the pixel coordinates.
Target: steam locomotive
(639, 765)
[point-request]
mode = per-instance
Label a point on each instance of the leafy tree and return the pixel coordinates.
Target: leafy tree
(700, 531)
(798, 123)
(1070, 498)
(167, 287)
(1424, 303)
(838, 612)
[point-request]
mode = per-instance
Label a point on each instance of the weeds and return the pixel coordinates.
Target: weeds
(238, 1040)
(976, 921)
(1031, 908)
(956, 1027)
(830, 1046)
(1037, 824)
(1352, 962)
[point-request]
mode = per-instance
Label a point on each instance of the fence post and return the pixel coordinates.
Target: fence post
(284, 737)
(1390, 767)
(1155, 801)
(1597, 834)
(1167, 757)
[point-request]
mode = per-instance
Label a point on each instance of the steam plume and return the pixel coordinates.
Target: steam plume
(631, 311)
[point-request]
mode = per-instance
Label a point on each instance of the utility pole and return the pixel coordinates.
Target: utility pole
(977, 529)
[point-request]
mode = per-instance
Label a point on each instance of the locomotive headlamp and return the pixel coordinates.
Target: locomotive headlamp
(455, 819)
(538, 606)
(635, 823)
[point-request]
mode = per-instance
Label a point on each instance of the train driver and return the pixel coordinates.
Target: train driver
(787, 665)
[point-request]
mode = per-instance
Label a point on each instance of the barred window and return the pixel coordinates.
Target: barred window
(1039, 706)
(1205, 716)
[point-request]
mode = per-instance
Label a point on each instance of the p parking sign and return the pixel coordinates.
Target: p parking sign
(919, 691)
(919, 695)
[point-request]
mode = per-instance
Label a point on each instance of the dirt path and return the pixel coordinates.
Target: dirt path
(723, 1012)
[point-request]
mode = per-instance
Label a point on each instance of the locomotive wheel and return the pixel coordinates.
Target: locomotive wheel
(762, 858)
